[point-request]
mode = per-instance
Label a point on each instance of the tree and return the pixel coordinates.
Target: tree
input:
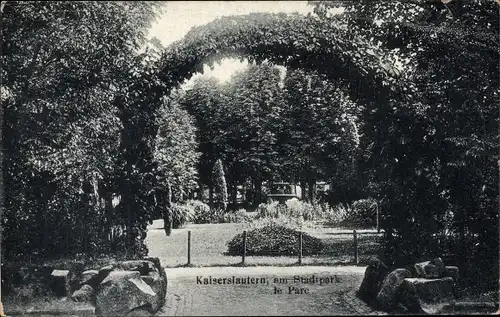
(176, 154)
(320, 133)
(434, 204)
(204, 102)
(220, 185)
(61, 127)
(254, 101)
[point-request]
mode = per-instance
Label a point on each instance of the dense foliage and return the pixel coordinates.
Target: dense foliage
(175, 154)
(63, 64)
(431, 153)
(266, 126)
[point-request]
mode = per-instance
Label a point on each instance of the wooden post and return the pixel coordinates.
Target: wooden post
(244, 247)
(355, 242)
(189, 247)
(300, 247)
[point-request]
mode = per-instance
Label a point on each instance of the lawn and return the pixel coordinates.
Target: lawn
(208, 245)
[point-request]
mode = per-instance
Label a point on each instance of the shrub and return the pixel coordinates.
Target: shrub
(268, 210)
(274, 240)
(238, 216)
(339, 213)
(181, 214)
(294, 208)
(203, 213)
(361, 213)
(305, 210)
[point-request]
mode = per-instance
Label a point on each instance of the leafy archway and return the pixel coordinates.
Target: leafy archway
(294, 41)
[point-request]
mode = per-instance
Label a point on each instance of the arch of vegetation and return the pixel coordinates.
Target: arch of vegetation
(294, 41)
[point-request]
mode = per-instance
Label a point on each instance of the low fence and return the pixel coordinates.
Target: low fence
(351, 243)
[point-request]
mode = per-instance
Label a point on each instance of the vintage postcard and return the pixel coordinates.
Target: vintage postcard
(267, 158)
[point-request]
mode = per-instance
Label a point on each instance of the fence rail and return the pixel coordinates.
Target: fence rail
(352, 238)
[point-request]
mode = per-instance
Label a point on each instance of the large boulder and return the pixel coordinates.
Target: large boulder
(375, 274)
(451, 271)
(469, 308)
(87, 275)
(84, 294)
(386, 297)
(60, 282)
(123, 291)
(139, 312)
(96, 279)
(426, 296)
(152, 273)
(143, 266)
(163, 274)
(105, 270)
(430, 269)
(154, 280)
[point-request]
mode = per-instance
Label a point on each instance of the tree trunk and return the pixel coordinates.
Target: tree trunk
(43, 201)
(311, 188)
(303, 190)
(245, 196)
(128, 212)
(258, 191)
(167, 213)
(234, 195)
(211, 196)
(462, 244)
(180, 194)
(200, 193)
(108, 215)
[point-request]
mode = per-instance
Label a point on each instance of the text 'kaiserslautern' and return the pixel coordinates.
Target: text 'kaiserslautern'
(200, 280)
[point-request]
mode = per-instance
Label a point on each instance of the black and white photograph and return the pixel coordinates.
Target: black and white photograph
(249, 158)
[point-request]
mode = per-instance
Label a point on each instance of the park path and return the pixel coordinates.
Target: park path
(187, 297)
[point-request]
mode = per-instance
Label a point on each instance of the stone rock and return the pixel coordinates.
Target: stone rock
(25, 272)
(426, 296)
(87, 275)
(84, 294)
(156, 262)
(143, 266)
(60, 282)
(121, 292)
(451, 271)
(105, 270)
(154, 280)
(163, 274)
(420, 268)
(438, 262)
(375, 274)
(95, 280)
(45, 271)
(430, 269)
(139, 312)
(390, 287)
(469, 308)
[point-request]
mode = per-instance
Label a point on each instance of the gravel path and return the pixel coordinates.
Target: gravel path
(187, 297)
